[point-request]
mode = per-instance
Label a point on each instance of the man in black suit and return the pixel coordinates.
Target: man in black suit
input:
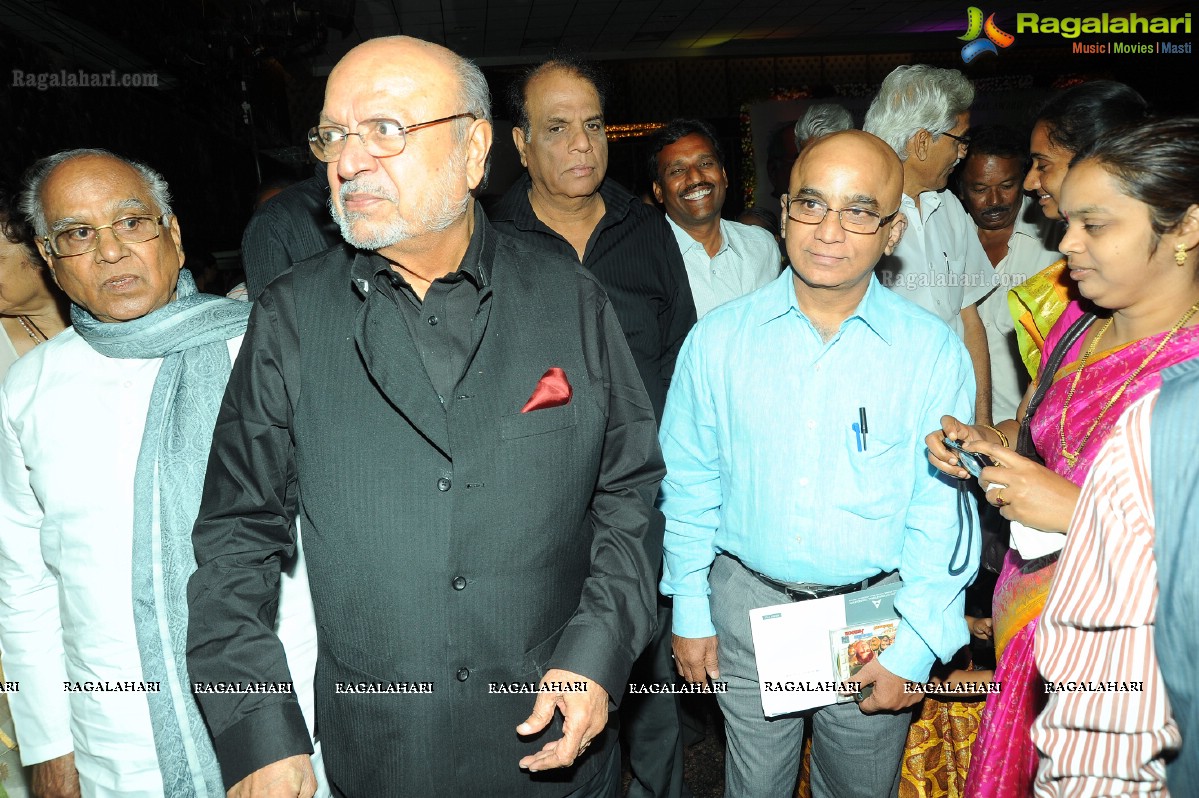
(567, 204)
(459, 424)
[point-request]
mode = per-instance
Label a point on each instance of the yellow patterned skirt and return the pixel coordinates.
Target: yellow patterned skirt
(937, 756)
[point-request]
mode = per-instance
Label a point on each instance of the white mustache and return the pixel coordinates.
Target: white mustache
(359, 186)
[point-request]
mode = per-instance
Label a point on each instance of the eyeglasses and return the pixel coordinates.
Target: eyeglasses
(852, 220)
(382, 138)
(963, 140)
(81, 239)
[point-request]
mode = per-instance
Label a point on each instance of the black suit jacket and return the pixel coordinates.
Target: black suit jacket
(290, 227)
(462, 544)
(635, 256)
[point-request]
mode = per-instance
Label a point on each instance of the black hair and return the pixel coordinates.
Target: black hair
(1156, 163)
(678, 129)
(518, 90)
(999, 141)
(14, 226)
(1080, 115)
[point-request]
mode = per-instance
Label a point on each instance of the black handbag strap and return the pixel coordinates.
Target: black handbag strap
(1024, 442)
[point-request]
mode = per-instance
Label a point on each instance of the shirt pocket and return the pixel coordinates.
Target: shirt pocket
(538, 422)
(875, 475)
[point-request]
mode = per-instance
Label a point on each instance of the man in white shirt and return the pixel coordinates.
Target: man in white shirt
(1015, 236)
(724, 259)
(924, 114)
(104, 436)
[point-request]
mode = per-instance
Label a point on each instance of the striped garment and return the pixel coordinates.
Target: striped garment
(1108, 723)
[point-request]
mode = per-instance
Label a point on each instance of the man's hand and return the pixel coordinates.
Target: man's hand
(695, 658)
(888, 695)
(55, 778)
(584, 715)
(941, 457)
(287, 778)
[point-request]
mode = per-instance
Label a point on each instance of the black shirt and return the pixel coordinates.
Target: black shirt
(448, 323)
(634, 255)
(457, 544)
(289, 227)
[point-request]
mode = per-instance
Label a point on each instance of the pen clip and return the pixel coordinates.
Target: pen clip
(857, 431)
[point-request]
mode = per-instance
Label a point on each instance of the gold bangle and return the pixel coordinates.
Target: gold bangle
(1002, 438)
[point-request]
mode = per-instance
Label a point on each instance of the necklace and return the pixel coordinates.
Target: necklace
(1072, 456)
(29, 326)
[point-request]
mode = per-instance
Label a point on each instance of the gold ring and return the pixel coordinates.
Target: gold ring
(999, 500)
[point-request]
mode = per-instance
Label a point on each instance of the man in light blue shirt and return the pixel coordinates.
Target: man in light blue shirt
(771, 485)
(724, 259)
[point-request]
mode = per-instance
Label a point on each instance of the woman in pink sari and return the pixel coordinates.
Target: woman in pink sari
(1145, 308)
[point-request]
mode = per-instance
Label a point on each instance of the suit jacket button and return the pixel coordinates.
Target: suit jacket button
(444, 484)
(463, 674)
(459, 583)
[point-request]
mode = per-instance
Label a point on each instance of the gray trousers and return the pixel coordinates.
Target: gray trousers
(853, 755)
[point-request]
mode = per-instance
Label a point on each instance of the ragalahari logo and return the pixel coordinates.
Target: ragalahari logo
(975, 27)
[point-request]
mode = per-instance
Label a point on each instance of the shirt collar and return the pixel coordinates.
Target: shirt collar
(930, 201)
(729, 238)
(872, 309)
(475, 265)
(684, 239)
(516, 208)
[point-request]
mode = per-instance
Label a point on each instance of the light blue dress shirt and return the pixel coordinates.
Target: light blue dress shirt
(764, 463)
(748, 259)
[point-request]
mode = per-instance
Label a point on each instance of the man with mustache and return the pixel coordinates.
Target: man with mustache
(924, 113)
(990, 188)
(458, 421)
(724, 259)
(566, 205)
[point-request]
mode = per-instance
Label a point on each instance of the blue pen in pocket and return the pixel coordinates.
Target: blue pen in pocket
(857, 432)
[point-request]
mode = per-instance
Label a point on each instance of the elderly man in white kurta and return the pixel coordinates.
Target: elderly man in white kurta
(104, 433)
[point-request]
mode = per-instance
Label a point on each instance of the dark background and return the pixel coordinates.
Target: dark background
(240, 81)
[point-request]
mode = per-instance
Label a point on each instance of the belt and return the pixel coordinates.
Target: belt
(811, 591)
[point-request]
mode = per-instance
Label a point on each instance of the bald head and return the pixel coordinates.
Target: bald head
(841, 179)
(398, 203)
(402, 63)
(864, 153)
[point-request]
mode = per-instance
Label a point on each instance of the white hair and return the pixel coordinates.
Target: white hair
(914, 98)
(476, 95)
(820, 120)
(35, 179)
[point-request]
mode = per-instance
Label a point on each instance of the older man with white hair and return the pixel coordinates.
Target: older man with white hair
(104, 435)
(461, 425)
(924, 113)
(821, 119)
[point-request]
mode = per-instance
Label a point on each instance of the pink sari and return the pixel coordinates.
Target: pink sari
(1004, 760)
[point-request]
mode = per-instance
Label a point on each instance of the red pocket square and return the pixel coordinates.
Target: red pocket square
(553, 390)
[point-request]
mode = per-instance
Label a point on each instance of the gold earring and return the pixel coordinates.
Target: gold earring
(1180, 254)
